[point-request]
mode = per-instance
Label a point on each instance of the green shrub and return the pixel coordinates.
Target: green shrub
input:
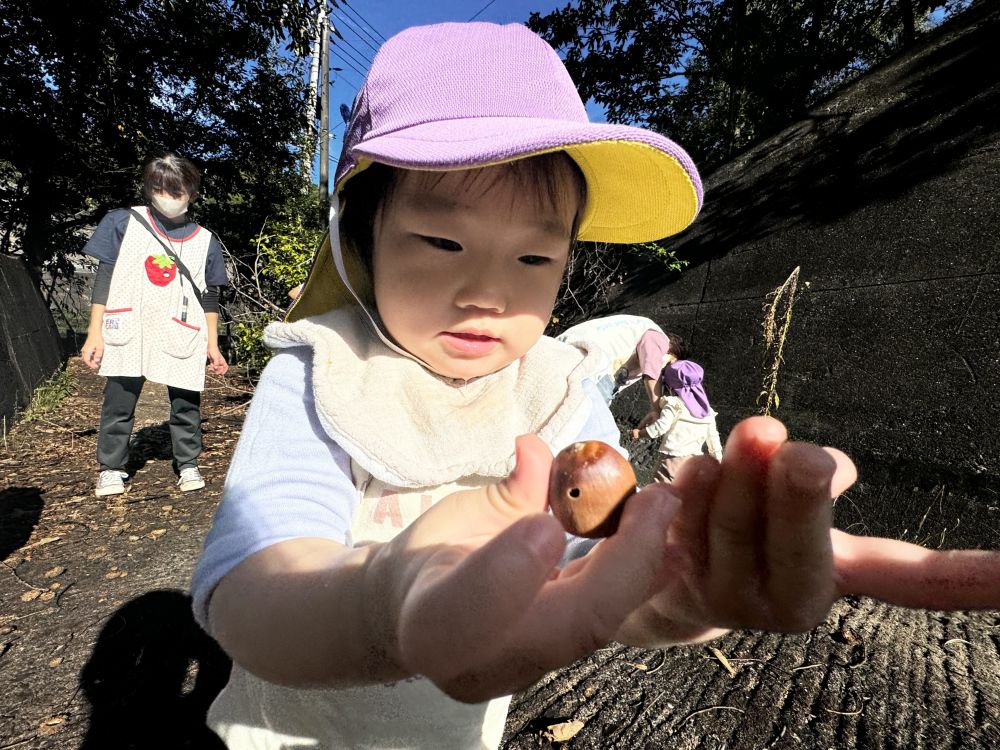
(48, 397)
(282, 255)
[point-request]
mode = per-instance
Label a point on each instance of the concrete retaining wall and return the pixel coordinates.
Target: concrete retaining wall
(30, 346)
(886, 198)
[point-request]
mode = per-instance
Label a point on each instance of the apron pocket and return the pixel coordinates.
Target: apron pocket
(181, 339)
(118, 327)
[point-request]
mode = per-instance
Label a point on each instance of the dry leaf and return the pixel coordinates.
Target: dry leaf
(641, 667)
(40, 542)
(564, 731)
(47, 596)
(30, 596)
(156, 534)
(55, 662)
(51, 725)
(53, 572)
(725, 662)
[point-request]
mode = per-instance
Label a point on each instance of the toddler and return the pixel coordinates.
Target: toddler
(686, 424)
(382, 568)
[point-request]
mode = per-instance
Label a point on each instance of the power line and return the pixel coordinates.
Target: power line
(364, 58)
(482, 9)
(348, 63)
(358, 29)
(345, 6)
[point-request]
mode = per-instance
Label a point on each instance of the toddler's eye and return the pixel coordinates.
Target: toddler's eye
(442, 244)
(534, 260)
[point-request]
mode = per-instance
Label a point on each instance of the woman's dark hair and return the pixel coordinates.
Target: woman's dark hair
(171, 174)
(678, 346)
(371, 189)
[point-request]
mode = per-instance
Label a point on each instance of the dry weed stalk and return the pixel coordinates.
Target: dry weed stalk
(782, 300)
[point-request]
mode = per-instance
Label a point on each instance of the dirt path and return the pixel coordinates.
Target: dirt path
(94, 623)
(98, 649)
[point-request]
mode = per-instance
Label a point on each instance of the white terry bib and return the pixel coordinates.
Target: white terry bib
(410, 428)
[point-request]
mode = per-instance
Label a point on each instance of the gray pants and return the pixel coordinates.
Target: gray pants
(118, 415)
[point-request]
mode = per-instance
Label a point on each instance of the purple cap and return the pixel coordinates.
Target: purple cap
(684, 379)
(463, 95)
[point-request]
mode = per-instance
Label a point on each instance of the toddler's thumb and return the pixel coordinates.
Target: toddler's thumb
(526, 489)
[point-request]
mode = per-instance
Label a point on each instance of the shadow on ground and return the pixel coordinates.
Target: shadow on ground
(149, 444)
(152, 676)
(20, 509)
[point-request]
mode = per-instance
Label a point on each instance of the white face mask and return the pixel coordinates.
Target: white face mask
(170, 207)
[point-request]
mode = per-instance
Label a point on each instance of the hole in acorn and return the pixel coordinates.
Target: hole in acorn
(575, 492)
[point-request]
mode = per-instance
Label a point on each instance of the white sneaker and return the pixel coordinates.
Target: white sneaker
(110, 482)
(190, 479)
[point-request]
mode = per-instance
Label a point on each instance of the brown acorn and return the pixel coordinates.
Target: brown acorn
(588, 485)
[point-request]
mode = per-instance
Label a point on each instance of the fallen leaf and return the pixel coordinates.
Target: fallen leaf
(47, 596)
(30, 596)
(725, 662)
(641, 667)
(51, 725)
(53, 572)
(156, 534)
(40, 542)
(55, 662)
(563, 731)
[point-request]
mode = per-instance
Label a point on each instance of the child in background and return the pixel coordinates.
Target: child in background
(382, 568)
(151, 319)
(686, 425)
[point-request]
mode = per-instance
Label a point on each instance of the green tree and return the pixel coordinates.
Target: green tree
(88, 91)
(719, 74)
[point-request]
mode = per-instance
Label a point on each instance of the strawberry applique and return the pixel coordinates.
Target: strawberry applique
(160, 269)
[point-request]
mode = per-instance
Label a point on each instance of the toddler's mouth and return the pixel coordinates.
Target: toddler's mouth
(470, 343)
(471, 336)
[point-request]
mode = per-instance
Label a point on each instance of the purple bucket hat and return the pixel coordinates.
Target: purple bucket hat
(462, 95)
(684, 379)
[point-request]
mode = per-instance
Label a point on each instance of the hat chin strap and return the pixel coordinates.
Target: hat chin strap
(373, 321)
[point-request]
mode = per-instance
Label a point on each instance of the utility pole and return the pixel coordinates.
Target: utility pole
(324, 115)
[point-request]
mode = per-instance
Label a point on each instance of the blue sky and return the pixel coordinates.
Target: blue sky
(365, 23)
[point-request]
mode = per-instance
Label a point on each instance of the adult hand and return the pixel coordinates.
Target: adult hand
(216, 362)
(752, 547)
(93, 350)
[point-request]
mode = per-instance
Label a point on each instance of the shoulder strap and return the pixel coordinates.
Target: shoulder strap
(170, 254)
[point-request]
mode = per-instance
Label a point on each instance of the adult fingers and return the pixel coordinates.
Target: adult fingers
(735, 527)
(696, 484)
(845, 474)
(911, 576)
(799, 565)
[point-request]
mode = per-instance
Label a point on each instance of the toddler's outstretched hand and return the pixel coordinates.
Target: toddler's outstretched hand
(475, 598)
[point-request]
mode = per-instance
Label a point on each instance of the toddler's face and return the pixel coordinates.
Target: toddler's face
(466, 271)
